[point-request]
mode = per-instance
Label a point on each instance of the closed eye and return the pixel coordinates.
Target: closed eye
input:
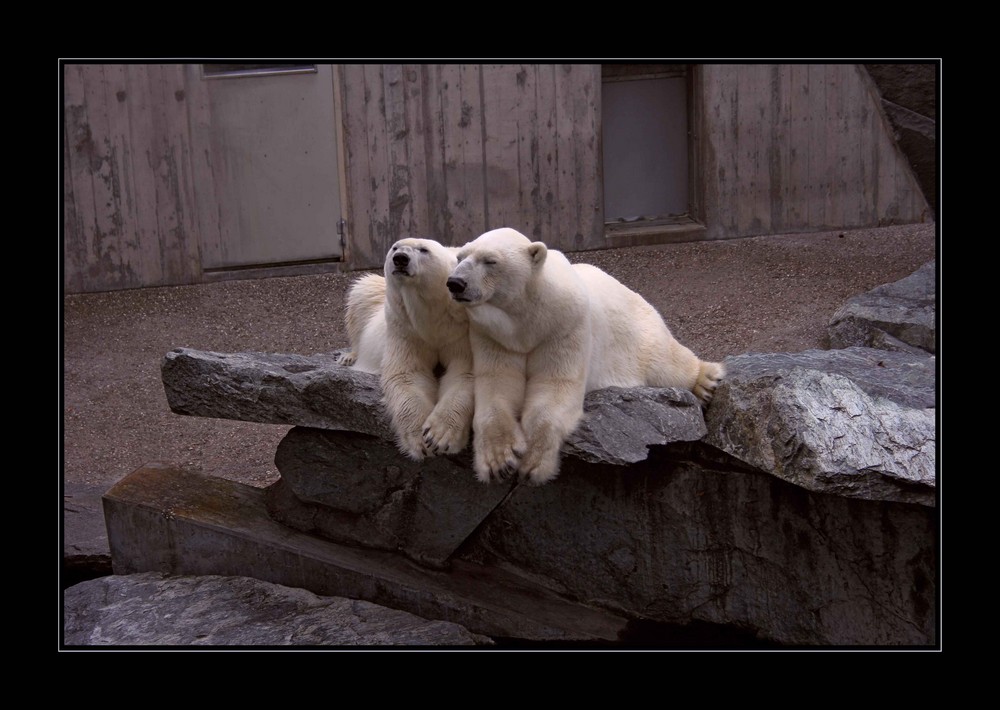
(489, 262)
(424, 250)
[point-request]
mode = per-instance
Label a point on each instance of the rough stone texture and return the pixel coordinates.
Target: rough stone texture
(621, 424)
(895, 316)
(164, 519)
(154, 609)
(690, 535)
(85, 538)
(274, 388)
(359, 489)
(856, 422)
(354, 488)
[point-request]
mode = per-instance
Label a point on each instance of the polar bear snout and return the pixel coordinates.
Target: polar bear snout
(401, 263)
(456, 285)
(462, 292)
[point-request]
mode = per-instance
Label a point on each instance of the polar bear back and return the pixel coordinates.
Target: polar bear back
(632, 345)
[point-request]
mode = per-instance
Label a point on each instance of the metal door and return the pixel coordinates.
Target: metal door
(275, 165)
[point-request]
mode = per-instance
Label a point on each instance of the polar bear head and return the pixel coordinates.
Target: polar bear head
(496, 268)
(419, 263)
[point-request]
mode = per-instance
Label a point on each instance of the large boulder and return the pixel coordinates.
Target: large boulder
(857, 422)
(692, 536)
(895, 316)
(359, 489)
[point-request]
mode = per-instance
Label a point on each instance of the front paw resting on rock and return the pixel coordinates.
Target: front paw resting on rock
(540, 462)
(441, 434)
(497, 453)
(412, 445)
(539, 467)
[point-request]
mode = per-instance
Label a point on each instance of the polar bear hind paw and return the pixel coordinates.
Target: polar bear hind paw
(710, 374)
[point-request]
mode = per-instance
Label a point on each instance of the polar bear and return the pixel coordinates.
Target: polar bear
(404, 326)
(545, 332)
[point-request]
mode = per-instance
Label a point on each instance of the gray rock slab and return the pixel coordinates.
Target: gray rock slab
(314, 391)
(85, 537)
(271, 388)
(356, 488)
(856, 422)
(691, 535)
(155, 609)
(904, 310)
(620, 424)
(164, 519)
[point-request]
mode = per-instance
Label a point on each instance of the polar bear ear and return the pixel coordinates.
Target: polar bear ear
(537, 252)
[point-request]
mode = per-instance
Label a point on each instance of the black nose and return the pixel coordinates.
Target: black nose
(456, 285)
(400, 259)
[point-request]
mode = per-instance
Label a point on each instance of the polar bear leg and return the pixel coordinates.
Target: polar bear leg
(499, 394)
(676, 365)
(409, 390)
(553, 407)
(446, 430)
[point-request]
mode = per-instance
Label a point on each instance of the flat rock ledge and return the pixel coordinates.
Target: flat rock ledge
(151, 608)
(314, 391)
(857, 422)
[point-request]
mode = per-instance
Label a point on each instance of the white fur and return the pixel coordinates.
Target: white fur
(405, 325)
(545, 332)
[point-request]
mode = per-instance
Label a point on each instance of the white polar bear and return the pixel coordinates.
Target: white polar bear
(545, 332)
(404, 326)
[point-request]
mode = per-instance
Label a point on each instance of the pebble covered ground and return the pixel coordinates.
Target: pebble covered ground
(760, 294)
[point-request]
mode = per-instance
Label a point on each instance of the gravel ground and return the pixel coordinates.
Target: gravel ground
(761, 294)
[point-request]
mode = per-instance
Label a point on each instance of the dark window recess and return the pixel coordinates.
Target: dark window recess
(213, 71)
(634, 72)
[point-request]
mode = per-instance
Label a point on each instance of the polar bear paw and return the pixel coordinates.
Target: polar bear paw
(540, 463)
(498, 454)
(347, 358)
(412, 445)
(440, 435)
(539, 467)
(709, 376)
